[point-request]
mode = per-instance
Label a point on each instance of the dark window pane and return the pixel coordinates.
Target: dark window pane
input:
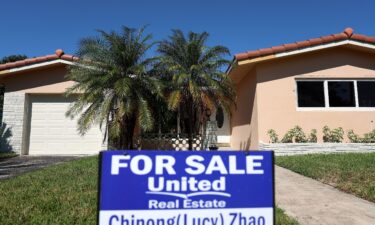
(310, 93)
(366, 93)
(341, 94)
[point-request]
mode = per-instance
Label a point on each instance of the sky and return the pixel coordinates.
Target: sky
(39, 27)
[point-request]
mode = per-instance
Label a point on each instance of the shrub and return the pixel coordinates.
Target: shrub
(354, 138)
(367, 138)
(336, 135)
(274, 138)
(312, 136)
(5, 135)
(295, 134)
(288, 137)
(299, 135)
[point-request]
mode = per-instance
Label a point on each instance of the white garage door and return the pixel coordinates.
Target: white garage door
(53, 133)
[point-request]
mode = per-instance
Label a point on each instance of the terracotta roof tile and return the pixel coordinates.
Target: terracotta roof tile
(359, 37)
(242, 55)
(347, 34)
(328, 38)
(20, 63)
(59, 54)
(69, 57)
(303, 44)
(339, 37)
(254, 54)
(349, 31)
(315, 41)
(291, 46)
(278, 49)
(266, 51)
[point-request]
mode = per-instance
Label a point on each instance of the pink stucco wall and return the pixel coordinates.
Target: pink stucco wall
(45, 80)
(271, 100)
(244, 133)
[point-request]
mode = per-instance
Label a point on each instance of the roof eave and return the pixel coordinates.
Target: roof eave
(35, 66)
(303, 50)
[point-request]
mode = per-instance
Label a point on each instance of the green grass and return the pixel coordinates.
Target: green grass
(283, 219)
(351, 172)
(60, 194)
(4, 155)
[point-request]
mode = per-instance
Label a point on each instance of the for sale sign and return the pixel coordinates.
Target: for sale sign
(186, 188)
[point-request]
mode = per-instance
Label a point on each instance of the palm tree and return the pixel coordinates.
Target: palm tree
(114, 85)
(197, 83)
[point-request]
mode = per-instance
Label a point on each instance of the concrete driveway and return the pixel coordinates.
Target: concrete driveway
(22, 164)
(314, 203)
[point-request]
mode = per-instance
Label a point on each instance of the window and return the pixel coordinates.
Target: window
(336, 93)
(366, 93)
(310, 93)
(341, 93)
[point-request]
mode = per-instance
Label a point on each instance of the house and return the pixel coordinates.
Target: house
(321, 81)
(313, 83)
(35, 106)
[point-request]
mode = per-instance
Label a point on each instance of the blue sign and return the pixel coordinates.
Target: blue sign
(186, 188)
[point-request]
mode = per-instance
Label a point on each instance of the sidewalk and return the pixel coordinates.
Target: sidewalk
(312, 202)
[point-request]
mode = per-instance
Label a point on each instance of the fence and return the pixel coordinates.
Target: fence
(168, 141)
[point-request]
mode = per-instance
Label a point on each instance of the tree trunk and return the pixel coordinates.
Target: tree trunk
(178, 121)
(203, 120)
(127, 132)
(190, 132)
(191, 122)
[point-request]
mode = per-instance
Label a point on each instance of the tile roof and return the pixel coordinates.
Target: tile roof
(347, 34)
(59, 54)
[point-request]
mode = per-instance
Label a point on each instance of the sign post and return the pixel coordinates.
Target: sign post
(186, 188)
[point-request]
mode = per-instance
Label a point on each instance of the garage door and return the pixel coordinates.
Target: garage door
(53, 133)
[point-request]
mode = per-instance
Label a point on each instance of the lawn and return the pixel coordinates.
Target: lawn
(60, 194)
(351, 172)
(4, 155)
(283, 219)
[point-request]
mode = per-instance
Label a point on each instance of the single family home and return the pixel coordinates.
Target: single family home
(34, 108)
(328, 80)
(322, 81)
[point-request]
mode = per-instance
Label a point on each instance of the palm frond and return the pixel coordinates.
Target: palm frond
(109, 81)
(194, 76)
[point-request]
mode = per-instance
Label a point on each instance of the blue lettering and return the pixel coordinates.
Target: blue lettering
(242, 219)
(239, 219)
(204, 221)
(261, 220)
(234, 216)
(140, 222)
(150, 222)
(112, 218)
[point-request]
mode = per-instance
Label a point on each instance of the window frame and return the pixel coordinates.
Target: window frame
(326, 95)
(310, 80)
(356, 90)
